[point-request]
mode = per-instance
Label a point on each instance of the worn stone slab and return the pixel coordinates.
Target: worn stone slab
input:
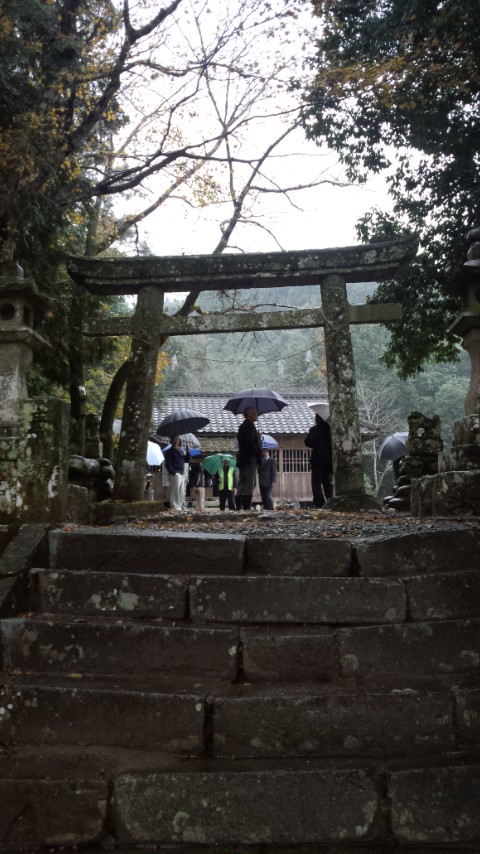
(51, 812)
(398, 723)
(146, 551)
(422, 551)
(97, 593)
(456, 493)
(254, 599)
(263, 807)
(6, 534)
(468, 715)
(75, 714)
(29, 545)
(13, 596)
(436, 805)
(268, 556)
(444, 596)
(118, 648)
(411, 650)
(287, 656)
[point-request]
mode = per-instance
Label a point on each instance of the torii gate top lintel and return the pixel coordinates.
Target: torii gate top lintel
(178, 273)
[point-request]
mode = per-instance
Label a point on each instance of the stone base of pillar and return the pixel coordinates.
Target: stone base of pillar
(352, 503)
(455, 490)
(453, 493)
(34, 457)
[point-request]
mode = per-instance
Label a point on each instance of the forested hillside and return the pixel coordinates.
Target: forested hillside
(293, 360)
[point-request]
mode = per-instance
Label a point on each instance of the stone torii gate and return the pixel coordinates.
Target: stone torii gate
(151, 277)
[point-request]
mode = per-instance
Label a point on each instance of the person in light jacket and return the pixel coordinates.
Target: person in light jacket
(226, 485)
(175, 459)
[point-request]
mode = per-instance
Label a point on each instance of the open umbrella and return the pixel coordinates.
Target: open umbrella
(214, 462)
(262, 399)
(154, 454)
(180, 422)
(268, 442)
(393, 447)
(321, 408)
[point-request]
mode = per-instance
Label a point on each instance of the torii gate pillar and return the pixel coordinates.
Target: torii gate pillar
(346, 439)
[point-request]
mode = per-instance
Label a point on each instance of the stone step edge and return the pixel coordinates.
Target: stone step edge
(359, 805)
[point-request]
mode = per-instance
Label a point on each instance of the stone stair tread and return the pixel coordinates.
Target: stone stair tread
(75, 762)
(160, 803)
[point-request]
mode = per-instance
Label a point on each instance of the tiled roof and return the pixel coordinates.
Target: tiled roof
(294, 419)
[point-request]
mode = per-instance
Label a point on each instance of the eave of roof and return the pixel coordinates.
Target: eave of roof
(296, 418)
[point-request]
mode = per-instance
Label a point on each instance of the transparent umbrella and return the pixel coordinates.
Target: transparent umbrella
(268, 442)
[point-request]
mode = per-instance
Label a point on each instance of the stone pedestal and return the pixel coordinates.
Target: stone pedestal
(424, 445)
(33, 432)
(455, 490)
(34, 463)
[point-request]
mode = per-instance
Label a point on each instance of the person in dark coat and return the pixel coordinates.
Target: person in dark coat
(319, 439)
(196, 480)
(267, 476)
(249, 458)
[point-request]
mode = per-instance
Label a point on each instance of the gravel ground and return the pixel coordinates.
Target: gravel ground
(300, 523)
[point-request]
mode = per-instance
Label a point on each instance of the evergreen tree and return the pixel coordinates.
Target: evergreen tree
(397, 90)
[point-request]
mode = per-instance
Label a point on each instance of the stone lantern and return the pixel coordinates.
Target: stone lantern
(455, 490)
(467, 324)
(33, 431)
(21, 308)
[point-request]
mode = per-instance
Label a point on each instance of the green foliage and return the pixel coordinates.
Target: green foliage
(398, 89)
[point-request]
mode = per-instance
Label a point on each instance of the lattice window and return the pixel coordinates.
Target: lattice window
(296, 460)
(275, 455)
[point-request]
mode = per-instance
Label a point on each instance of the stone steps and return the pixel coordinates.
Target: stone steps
(140, 802)
(167, 553)
(198, 720)
(257, 599)
(376, 654)
(183, 693)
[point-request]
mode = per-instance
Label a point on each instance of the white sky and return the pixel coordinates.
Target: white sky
(323, 216)
(320, 217)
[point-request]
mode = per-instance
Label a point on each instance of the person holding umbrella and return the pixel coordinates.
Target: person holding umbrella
(226, 485)
(249, 458)
(175, 459)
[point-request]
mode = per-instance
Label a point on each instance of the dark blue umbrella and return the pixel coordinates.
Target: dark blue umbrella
(262, 399)
(180, 422)
(393, 447)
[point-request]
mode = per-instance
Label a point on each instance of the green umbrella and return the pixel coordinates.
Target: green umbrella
(214, 462)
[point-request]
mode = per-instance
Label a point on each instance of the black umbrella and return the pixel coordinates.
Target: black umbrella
(393, 447)
(182, 421)
(262, 399)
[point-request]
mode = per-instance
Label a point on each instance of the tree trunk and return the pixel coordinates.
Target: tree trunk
(137, 410)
